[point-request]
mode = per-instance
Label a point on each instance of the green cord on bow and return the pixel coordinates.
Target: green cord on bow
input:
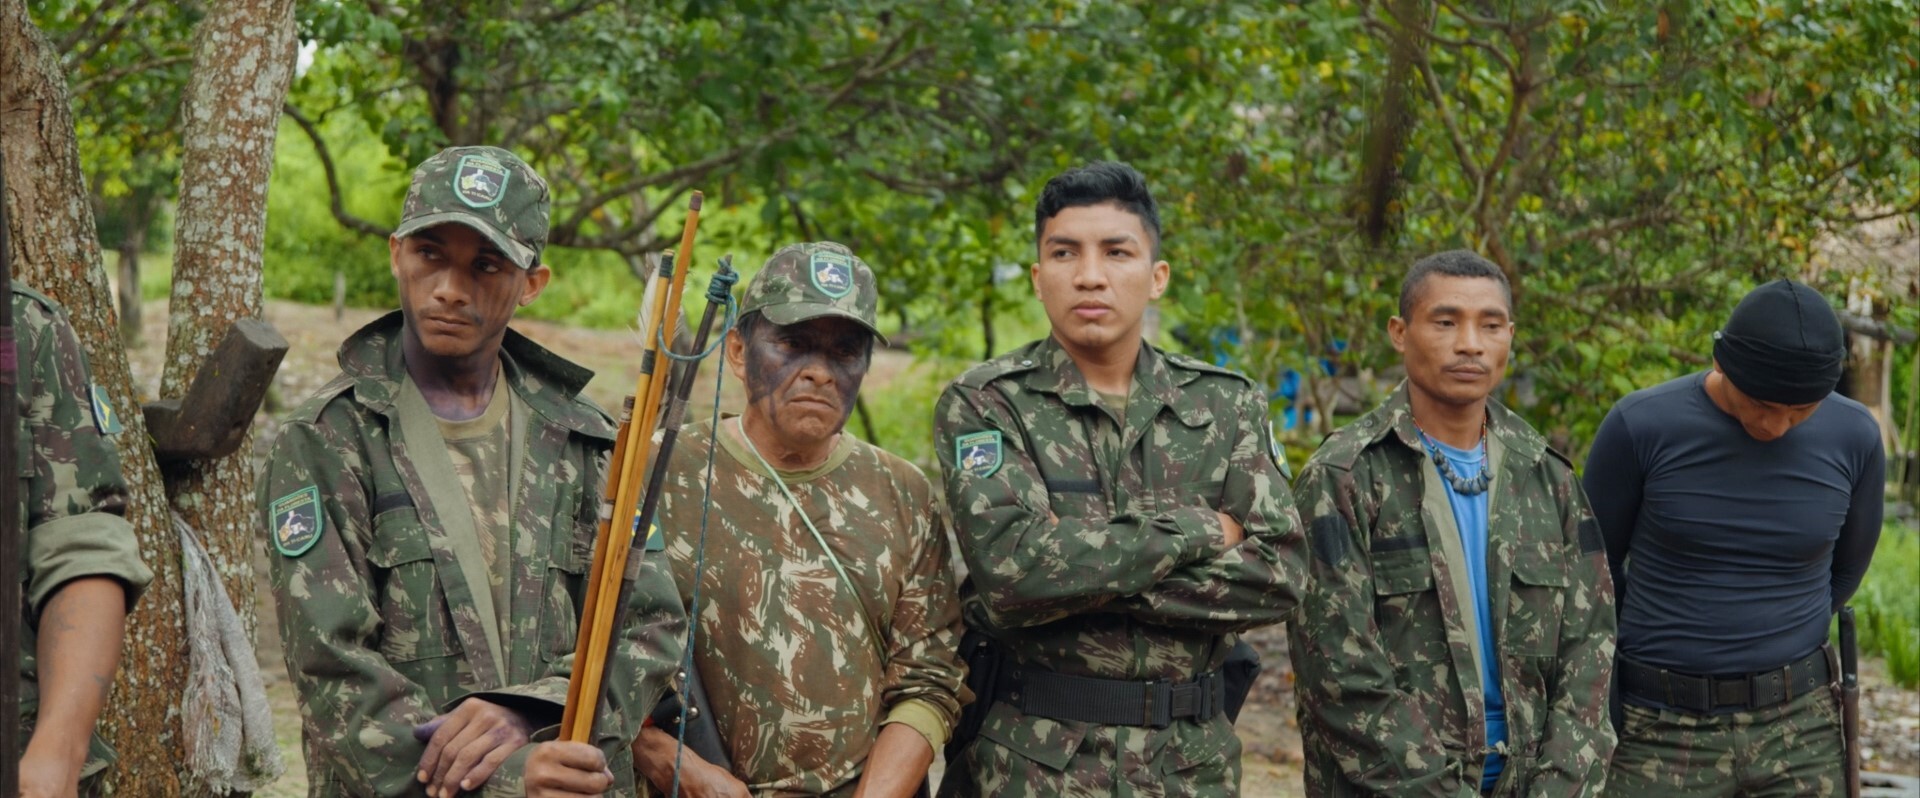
(719, 290)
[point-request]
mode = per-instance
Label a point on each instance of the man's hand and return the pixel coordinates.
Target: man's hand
(1231, 530)
(567, 770)
(467, 745)
(48, 776)
(654, 752)
(703, 780)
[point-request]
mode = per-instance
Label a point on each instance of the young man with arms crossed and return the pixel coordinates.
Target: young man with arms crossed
(1121, 516)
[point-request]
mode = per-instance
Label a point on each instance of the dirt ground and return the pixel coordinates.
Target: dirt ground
(1269, 734)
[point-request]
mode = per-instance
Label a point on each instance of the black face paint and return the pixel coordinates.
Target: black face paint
(794, 366)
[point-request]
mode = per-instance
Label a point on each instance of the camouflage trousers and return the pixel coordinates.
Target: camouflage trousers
(1116, 761)
(1794, 749)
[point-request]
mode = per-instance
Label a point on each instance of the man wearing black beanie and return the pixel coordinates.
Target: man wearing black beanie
(1740, 508)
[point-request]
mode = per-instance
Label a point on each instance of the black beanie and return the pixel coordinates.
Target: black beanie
(1782, 344)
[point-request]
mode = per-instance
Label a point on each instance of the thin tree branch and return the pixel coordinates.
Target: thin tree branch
(684, 171)
(1476, 20)
(878, 65)
(1447, 120)
(109, 78)
(1609, 228)
(111, 35)
(85, 29)
(335, 203)
(1908, 210)
(564, 13)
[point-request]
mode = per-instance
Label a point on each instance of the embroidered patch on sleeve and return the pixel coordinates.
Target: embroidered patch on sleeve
(978, 453)
(296, 521)
(655, 540)
(104, 419)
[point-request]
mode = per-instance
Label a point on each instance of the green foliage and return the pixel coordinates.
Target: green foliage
(127, 67)
(304, 245)
(1886, 614)
(902, 410)
(1634, 168)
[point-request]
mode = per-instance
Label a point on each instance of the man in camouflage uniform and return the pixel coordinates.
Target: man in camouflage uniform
(1458, 636)
(82, 570)
(829, 671)
(1121, 516)
(432, 516)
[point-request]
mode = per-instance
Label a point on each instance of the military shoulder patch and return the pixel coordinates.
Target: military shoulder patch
(655, 540)
(832, 273)
(978, 453)
(296, 521)
(480, 181)
(1278, 452)
(104, 419)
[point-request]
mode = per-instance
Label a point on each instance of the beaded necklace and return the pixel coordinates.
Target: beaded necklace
(1461, 485)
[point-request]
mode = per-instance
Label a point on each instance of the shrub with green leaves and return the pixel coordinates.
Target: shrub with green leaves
(1885, 608)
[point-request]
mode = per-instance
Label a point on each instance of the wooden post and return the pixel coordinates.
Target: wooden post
(212, 419)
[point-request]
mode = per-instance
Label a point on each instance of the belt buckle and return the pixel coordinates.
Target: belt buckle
(1207, 702)
(1776, 691)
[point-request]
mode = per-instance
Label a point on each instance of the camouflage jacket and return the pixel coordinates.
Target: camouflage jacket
(797, 683)
(1093, 545)
(1384, 654)
(379, 620)
(73, 498)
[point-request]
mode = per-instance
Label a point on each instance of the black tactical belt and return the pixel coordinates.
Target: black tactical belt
(1110, 702)
(1708, 693)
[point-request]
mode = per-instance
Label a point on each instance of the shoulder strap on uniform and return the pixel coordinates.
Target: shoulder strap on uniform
(309, 411)
(1010, 363)
(1190, 363)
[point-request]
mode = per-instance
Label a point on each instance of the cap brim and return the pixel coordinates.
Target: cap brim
(796, 312)
(521, 254)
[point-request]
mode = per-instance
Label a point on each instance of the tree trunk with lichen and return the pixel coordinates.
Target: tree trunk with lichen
(243, 63)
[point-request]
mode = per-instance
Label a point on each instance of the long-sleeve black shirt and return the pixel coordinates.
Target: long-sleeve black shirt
(1730, 554)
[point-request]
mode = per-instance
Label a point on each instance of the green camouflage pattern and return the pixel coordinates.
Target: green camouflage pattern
(486, 188)
(479, 451)
(73, 497)
(1390, 701)
(1093, 548)
(808, 281)
(798, 688)
(378, 623)
(1786, 751)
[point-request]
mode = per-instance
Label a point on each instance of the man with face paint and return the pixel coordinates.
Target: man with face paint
(432, 516)
(1458, 637)
(1121, 514)
(1741, 506)
(828, 619)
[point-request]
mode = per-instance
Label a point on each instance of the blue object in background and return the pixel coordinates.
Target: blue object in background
(1225, 340)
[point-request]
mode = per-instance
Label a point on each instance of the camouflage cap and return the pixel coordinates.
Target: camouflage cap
(486, 188)
(808, 281)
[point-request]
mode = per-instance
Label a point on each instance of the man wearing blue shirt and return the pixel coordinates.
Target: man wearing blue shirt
(1457, 636)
